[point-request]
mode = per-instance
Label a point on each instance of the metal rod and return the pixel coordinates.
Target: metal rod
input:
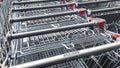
(43, 16)
(70, 56)
(94, 2)
(39, 7)
(106, 16)
(106, 10)
(50, 30)
(31, 2)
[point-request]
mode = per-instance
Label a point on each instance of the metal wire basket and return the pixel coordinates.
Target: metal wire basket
(57, 36)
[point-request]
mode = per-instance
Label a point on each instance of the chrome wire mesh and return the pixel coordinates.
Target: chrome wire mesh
(101, 5)
(48, 45)
(40, 12)
(36, 4)
(44, 46)
(112, 21)
(47, 23)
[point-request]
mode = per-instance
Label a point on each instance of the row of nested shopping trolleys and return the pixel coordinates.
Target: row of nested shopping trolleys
(62, 34)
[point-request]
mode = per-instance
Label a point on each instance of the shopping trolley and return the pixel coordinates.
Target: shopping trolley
(111, 15)
(48, 56)
(67, 44)
(31, 3)
(42, 48)
(30, 11)
(101, 4)
(67, 39)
